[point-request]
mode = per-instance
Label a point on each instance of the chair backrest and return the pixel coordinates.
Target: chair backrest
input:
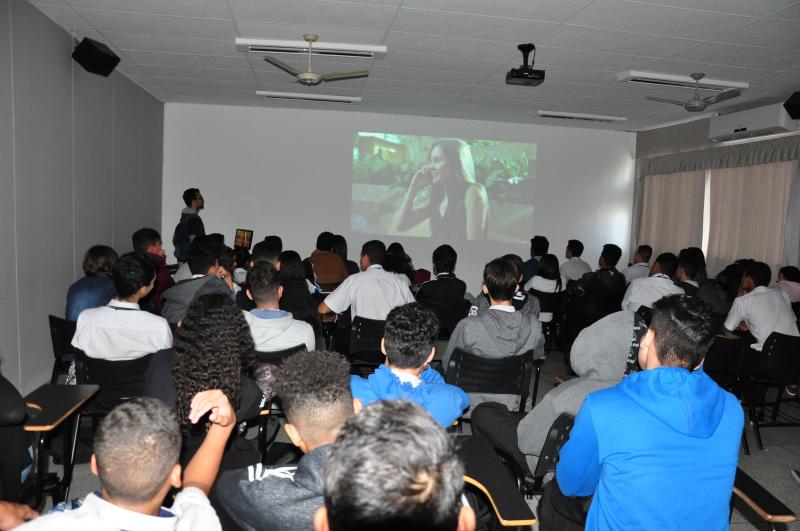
(780, 360)
(448, 314)
(118, 380)
(505, 376)
(61, 332)
(549, 302)
(276, 357)
(366, 334)
(557, 436)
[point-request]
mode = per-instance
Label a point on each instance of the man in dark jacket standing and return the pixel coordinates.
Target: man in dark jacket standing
(191, 225)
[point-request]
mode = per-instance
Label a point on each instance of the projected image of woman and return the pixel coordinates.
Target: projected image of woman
(456, 205)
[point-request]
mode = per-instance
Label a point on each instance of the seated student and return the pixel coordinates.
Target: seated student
(214, 241)
(574, 268)
(789, 282)
(500, 331)
(147, 243)
(546, 281)
(600, 292)
(96, 287)
(685, 275)
(521, 300)
(372, 293)
(759, 309)
(203, 260)
(328, 266)
(297, 296)
(646, 291)
(272, 328)
(340, 248)
(269, 251)
(539, 247)
(399, 263)
(659, 450)
(136, 458)
(408, 342)
(315, 395)
(641, 264)
(445, 288)
(599, 356)
(121, 330)
(393, 468)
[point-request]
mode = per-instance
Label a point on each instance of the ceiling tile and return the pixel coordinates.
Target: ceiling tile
(728, 73)
(441, 62)
(771, 33)
(656, 20)
(424, 75)
(205, 83)
(172, 44)
(490, 28)
(268, 30)
(547, 56)
(455, 46)
(792, 13)
(788, 80)
(755, 8)
(184, 8)
(186, 59)
(399, 95)
(200, 73)
(414, 86)
(580, 38)
(546, 10)
(159, 24)
(733, 55)
(314, 12)
(66, 17)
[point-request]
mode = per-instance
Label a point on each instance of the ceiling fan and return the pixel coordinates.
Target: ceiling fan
(698, 104)
(309, 77)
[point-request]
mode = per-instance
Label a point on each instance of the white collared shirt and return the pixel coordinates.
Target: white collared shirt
(120, 331)
(637, 270)
(764, 310)
(646, 291)
(574, 269)
(371, 294)
(405, 377)
(509, 308)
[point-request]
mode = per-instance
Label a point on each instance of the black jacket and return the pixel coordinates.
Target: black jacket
(445, 289)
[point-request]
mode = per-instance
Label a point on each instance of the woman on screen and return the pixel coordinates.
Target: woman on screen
(456, 205)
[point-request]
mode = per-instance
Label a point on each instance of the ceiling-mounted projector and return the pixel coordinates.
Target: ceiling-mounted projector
(525, 74)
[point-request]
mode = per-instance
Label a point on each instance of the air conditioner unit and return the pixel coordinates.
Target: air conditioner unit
(761, 121)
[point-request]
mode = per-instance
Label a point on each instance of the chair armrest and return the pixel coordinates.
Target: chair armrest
(767, 506)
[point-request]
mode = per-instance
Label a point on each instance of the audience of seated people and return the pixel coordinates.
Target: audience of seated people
(641, 264)
(329, 268)
(315, 395)
(547, 281)
(408, 343)
(444, 289)
(147, 242)
(95, 288)
(644, 291)
(120, 330)
(373, 292)
(574, 268)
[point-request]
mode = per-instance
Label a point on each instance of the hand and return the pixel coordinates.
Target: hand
(217, 403)
(14, 514)
(422, 178)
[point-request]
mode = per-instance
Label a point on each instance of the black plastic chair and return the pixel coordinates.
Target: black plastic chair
(550, 303)
(505, 376)
(118, 380)
(365, 345)
(448, 314)
(61, 332)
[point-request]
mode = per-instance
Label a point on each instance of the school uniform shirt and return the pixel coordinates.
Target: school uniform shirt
(191, 511)
(764, 310)
(637, 270)
(120, 331)
(370, 294)
(574, 269)
(545, 285)
(646, 291)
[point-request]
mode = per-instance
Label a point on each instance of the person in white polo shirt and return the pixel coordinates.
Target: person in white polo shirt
(373, 292)
(759, 309)
(646, 291)
(574, 268)
(641, 264)
(120, 330)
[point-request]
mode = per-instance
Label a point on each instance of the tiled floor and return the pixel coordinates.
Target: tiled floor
(770, 466)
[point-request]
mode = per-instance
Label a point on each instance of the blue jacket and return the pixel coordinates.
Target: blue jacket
(443, 401)
(657, 451)
(89, 292)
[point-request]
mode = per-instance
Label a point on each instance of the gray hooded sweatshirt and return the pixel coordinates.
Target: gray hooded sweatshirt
(179, 297)
(598, 355)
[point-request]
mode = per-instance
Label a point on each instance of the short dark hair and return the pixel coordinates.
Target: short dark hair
(444, 259)
(201, 255)
(263, 283)
(144, 238)
(375, 250)
(684, 330)
(189, 195)
(695, 254)
(575, 247)
(325, 241)
(266, 251)
(392, 467)
(275, 242)
(501, 278)
(645, 251)
(291, 267)
(411, 331)
(539, 246)
(131, 272)
(667, 263)
(688, 265)
(516, 261)
(314, 390)
(611, 254)
(136, 446)
(99, 261)
(790, 273)
(227, 259)
(759, 272)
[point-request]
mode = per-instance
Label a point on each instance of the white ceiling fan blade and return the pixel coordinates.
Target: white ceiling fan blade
(280, 64)
(339, 76)
(722, 96)
(664, 100)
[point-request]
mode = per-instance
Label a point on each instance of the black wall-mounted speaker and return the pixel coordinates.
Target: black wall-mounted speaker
(792, 106)
(95, 57)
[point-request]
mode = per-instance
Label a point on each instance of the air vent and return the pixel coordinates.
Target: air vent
(326, 98)
(670, 80)
(582, 117)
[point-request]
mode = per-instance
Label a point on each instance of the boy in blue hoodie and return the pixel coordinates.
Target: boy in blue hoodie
(408, 343)
(659, 450)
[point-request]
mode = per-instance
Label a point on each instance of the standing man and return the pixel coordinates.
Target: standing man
(190, 226)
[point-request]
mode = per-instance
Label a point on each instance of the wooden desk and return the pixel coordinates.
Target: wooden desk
(49, 407)
(484, 471)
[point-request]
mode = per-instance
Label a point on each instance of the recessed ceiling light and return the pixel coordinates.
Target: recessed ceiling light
(672, 80)
(336, 49)
(327, 98)
(581, 116)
